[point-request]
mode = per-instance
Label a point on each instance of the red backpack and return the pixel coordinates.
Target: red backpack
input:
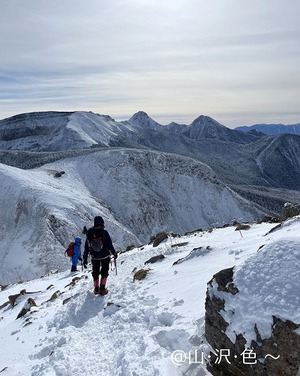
(70, 250)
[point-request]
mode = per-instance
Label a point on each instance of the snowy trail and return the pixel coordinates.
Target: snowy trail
(128, 332)
(87, 326)
(134, 330)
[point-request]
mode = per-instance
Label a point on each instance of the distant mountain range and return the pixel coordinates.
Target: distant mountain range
(271, 129)
(59, 169)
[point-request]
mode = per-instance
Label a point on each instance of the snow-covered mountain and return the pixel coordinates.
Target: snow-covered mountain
(153, 326)
(139, 193)
(143, 177)
(233, 155)
(59, 170)
(204, 127)
(59, 131)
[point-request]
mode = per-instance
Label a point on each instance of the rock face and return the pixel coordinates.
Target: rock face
(289, 210)
(277, 355)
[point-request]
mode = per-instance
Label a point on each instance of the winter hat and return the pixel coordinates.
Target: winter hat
(98, 222)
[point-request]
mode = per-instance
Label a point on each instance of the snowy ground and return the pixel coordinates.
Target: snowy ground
(139, 327)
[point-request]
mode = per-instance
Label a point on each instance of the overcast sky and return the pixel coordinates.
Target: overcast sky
(237, 61)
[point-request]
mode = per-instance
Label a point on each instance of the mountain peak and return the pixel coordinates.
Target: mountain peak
(140, 115)
(142, 119)
(204, 120)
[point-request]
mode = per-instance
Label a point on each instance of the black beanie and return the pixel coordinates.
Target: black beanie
(98, 222)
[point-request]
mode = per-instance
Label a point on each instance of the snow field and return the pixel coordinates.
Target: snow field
(135, 329)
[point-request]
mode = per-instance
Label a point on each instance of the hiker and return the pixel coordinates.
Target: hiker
(99, 245)
(76, 254)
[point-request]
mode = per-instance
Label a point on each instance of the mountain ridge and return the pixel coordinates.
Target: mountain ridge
(271, 129)
(231, 154)
(165, 192)
(142, 177)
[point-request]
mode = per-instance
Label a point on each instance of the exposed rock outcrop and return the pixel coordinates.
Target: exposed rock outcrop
(158, 238)
(154, 259)
(140, 274)
(240, 346)
(289, 210)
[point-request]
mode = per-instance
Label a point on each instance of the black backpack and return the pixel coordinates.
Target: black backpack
(97, 242)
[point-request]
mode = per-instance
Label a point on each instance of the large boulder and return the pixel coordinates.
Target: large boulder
(252, 320)
(289, 210)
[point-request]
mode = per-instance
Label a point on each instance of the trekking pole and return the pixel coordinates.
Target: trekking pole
(115, 263)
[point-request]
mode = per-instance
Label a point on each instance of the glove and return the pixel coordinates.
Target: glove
(80, 258)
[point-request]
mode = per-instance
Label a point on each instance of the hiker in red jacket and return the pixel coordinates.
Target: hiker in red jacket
(99, 245)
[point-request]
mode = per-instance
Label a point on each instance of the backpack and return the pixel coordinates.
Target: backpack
(97, 242)
(70, 250)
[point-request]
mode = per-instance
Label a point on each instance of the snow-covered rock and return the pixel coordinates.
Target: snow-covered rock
(255, 309)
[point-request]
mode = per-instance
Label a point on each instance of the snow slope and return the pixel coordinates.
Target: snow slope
(40, 215)
(59, 131)
(139, 193)
(139, 327)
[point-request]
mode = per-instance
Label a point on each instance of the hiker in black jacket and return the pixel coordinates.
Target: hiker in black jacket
(100, 246)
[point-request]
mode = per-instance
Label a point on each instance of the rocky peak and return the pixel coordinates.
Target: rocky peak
(206, 121)
(142, 119)
(206, 127)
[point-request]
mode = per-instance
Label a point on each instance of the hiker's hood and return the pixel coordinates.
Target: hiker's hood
(77, 240)
(98, 222)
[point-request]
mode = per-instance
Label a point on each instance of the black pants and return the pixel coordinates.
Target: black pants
(100, 267)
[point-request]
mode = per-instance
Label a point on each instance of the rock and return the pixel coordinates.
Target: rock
(289, 210)
(242, 226)
(13, 298)
(140, 274)
(27, 307)
(130, 247)
(277, 355)
(59, 174)
(154, 259)
(268, 219)
(158, 238)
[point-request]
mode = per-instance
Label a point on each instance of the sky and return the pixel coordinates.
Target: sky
(236, 61)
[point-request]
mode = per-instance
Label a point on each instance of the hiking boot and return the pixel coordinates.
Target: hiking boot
(97, 290)
(103, 291)
(73, 269)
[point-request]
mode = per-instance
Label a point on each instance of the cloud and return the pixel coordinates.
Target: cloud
(182, 58)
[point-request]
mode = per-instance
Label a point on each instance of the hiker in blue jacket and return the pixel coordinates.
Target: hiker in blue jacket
(76, 254)
(99, 245)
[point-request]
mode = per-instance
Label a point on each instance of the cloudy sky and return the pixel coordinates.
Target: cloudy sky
(237, 61)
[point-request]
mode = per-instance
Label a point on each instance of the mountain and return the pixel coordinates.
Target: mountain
(142, 120)
(279, 159)
(141, 176)
(205, 127)
(233, 155)
(139, 193)
(157, 324)
(59, 170)
(60, 131)
(271, 129)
